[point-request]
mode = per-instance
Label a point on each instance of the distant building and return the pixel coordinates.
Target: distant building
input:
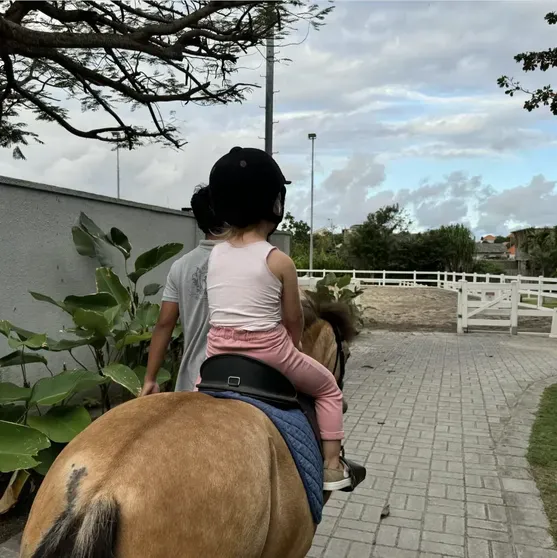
(511, 252)
(321, 231)
(347, 232)
(519, 241)
(491, 251)
(488, 238)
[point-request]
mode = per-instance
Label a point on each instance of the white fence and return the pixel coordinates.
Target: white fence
(500, 305)
(532, 287)
(484, 299)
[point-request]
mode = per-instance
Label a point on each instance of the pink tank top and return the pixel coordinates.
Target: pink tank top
(243, 292)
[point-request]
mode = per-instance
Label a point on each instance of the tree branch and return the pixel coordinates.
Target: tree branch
(107, 53)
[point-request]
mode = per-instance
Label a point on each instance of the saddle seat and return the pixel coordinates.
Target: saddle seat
(255, 379)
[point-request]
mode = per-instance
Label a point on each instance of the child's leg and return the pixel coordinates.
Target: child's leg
(308, 376)
(312, 378)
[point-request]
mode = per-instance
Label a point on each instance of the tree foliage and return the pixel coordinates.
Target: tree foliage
(143, 53)
(372, 244)
(328, 249)
(531, 61)
(541, 247)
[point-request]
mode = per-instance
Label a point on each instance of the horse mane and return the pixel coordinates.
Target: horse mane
(337, 314)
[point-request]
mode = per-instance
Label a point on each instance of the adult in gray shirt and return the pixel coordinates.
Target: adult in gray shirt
(185, 296)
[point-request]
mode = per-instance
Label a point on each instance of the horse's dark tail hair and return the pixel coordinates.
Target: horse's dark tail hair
(90, 533)
(339, 315)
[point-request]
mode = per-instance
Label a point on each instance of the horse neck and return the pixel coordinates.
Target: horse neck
(318, 342)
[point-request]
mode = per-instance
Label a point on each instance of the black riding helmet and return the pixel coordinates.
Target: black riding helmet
(247, 186)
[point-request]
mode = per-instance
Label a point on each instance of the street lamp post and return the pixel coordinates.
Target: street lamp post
(312, 138)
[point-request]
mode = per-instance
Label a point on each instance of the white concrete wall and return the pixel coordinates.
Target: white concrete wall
(37, 252)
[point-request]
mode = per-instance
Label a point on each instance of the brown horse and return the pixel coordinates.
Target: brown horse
(180, 475)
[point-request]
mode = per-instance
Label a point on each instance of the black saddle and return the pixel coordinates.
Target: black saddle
(255, 378)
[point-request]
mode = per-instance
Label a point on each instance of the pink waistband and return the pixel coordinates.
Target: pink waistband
(243, 335)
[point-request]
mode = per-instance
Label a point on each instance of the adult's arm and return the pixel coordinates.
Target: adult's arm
(168, 317)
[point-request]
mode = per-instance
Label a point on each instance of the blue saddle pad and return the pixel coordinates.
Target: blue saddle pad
(300, 439)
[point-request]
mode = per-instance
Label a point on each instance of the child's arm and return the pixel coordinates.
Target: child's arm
(292, 315)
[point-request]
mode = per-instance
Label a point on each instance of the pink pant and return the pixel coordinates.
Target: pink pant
(276, 348)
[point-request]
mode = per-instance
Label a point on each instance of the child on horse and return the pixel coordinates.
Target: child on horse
(253, 294)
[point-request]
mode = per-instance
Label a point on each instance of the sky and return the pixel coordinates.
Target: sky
(404, 100)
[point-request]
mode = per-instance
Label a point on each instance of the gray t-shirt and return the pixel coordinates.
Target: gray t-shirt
(187, 285)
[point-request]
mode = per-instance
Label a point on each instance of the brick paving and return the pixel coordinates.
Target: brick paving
(442, 423)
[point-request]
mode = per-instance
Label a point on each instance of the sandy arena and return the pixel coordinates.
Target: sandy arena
(422, 309)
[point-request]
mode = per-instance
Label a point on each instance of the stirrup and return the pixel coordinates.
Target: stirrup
(356, 471)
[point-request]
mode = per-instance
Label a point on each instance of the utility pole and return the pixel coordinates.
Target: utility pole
(118, 171)
(116, 136)
(312, 138)
(269, 92)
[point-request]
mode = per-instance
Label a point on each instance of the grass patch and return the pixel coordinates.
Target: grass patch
(547, 303)
(542, 454)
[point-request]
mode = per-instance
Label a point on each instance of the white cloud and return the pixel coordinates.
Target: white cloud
(381, 82)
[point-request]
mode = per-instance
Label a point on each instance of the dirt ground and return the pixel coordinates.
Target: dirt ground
(422, 309)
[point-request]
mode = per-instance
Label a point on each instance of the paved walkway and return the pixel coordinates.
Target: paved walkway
(442, 423)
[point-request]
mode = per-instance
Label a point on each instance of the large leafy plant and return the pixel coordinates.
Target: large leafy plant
(333, 288)
(114, 323)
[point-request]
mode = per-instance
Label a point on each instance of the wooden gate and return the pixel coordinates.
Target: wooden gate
(499, 300)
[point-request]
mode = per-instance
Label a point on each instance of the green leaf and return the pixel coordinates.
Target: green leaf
(153, 258)
(18, 445)
(177, 331)
(84, 243)
(69, 344)
(49, 391)
(123, 375)
(99, 302)
(47, 457)
(90, 246)
(151, 289)
(329, 280)
(344, 281)
(17, 358)
(85, 379)
(146, 316)
(61, 424)
(12, 413)
(120, 240)
(92, 321)
(44, 298)
(35, 343)
(163, 375)
(11, 392)
(5, 328)
(108, 282)
(133, 338)
(91, 227)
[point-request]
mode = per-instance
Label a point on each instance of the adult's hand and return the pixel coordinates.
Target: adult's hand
(149, 387)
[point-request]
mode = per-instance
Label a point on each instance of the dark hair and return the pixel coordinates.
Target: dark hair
(203, 211)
